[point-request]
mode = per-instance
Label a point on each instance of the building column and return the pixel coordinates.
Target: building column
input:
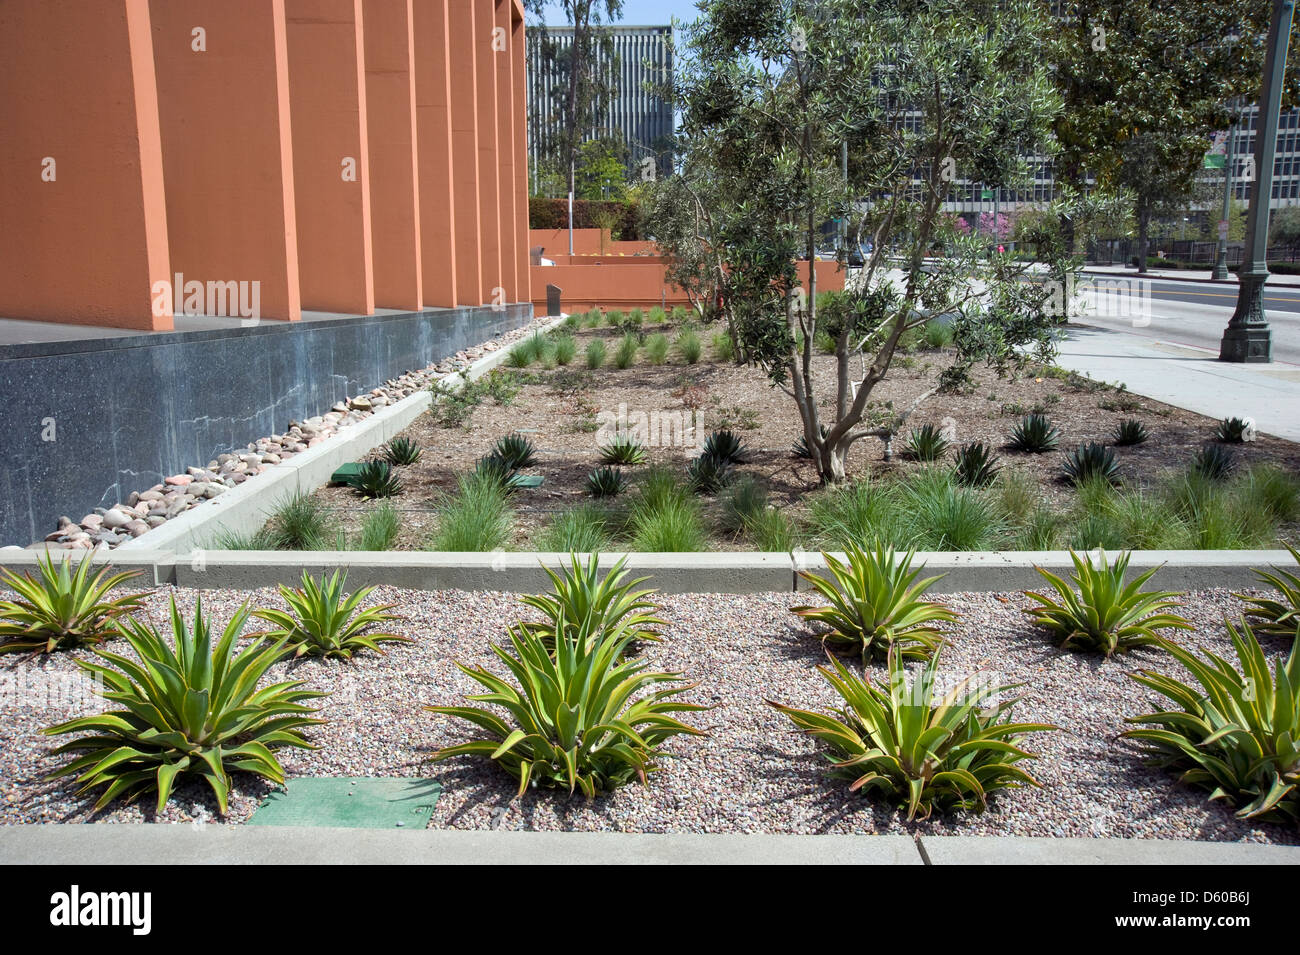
(503, 57)
(519, 123)
(487, 40)
(437, 209)
(223, 70)
(331, 168)
(81, 170)
(393, 149)
(465, 158)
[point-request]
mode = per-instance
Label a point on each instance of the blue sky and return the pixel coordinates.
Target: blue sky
(639, 12)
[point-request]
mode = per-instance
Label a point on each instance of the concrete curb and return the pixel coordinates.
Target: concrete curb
(158, 844)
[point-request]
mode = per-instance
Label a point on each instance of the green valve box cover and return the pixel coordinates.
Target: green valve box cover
(350, 803)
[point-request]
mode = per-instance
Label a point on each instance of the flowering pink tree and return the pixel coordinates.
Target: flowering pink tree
(999, 226)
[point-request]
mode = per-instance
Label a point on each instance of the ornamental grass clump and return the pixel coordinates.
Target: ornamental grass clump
(62, 609)
(323, 621)
(920, 752)
(1106, 615)
(875, 606)
(194, 710)
(1235, 734)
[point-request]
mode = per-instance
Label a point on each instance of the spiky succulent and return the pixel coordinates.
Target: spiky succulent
(585, 601)
(1130, 431)
(1232, 430)
(401, 452)
(1035, 433)
(586, 716)
(606, 482)
(920, 750)
(708, 474)
(926, 443)
(623, 449)
(1214, 461)
(62, 609)
(193, 710)
(976, 465)
(497, 470)
(1270, 615)
(1089, 461)
(1106, 615)
(376, 479)
(323, 621)
(726, 446)
(516, 451)
(875, 605)
(1234, 734)
(800, 447)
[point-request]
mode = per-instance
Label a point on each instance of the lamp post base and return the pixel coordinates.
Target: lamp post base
(1248, 337)
(1220, 273)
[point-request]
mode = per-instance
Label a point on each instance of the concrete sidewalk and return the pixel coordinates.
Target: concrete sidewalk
(1186, 275)
(1188, 377)
(156, 844)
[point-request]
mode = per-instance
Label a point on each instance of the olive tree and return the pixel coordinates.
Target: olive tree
(926, 97)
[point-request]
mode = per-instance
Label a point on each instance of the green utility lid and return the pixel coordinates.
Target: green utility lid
(346, 473)
(528, 480)
(350, 803)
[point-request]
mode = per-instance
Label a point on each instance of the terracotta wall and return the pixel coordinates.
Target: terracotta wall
(340, 155)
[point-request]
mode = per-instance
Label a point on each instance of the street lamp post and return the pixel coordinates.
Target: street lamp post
(1247, 337)
(1221, 254)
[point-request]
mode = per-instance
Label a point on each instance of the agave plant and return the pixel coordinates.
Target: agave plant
(623, 449)
(401, 452)
(606, 482)
(61, 608)
(1277, 618)
(322, 621)
(1214, 461)
(376, 479)
(875, 604)
(1130, 431)
(516, 451)
(1231, 430)
(492, 468)
(1236, 733)
(586, 717)
(1035, 433)
(976, 465)
(921, 753)
(708, 474)
(800, 447)
(1089, 461)
(1106, 615)
(193, 710)
(725, 446)
(926, 443)
(584, 602)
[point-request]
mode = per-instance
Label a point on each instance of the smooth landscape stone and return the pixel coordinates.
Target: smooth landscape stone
(115, 518)
(179, 480)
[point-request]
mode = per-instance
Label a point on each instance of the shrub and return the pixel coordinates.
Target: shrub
(936, 515)
(595, 353)
(59, 608)
(475, 518)
(1268, 489)
(614, 318)
(516, 451)
(657, 315)
(566, 346)
(1234, 734)
(743, 500)
(625, 353)
(937, 334)
(379, 528)
(656, 348)
(1130, 431)
(592, 319)
(1035, 433)
(1217, 515)
(660, 484)
(1041, 530)
(1231, 430)
(494, 469)
(1106, 615)
(976, 465)
(623, 449)
(193, 710)
(1214, 461)
(824, 342)
(679, 313)
(842, 515)
(723, 347)
(322, 621)
(401, 452)
(376, 479)
(770, 529)
(919, 752)
(688, 344)
(300, 523)
(726, 446)
(583, 603)
(606, 482)
(926, 443)
(521, 355)
(708, 474)
(1136, 520)
(874, 604)
(799, 448)
(673, 524)
(586, 718)
(583, 529)
(1091, 461)
(1277, 618)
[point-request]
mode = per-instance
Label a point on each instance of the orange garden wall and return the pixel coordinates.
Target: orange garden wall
(345, 155)
(585, 242)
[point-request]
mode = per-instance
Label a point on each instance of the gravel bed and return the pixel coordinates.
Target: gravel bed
(751, 774)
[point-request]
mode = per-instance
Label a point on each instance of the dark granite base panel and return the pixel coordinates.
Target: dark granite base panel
(126, 412)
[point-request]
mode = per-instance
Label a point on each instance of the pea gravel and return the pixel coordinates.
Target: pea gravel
(751, 774)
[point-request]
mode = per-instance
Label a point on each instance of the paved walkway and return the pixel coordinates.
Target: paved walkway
(1185, 275)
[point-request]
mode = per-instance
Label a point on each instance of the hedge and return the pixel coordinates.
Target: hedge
(554, 214)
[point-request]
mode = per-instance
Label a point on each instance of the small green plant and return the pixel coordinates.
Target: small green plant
(708, 474)
(799, 448)
(477, 517)
(1268, 489)
(62, 609)
(592, 319)
(726, 446)
(1035, 434)
(401, 452)
(656, 348)
(1232, 430)
(565, 346)
(583, 529)
(1271, 616)
(771, 529)
(379, 529)
(614, 318)
(724, 349)
(667, 523)
(935, 514)
(1130, 431)
(842, 515)
(623, 449)
(874, 604)
(976, 465)
(300, 523)
(1106, 615)
(824, 342)
(516, 451)
(1235, 734)
(689, 346)
(926, 443)
(323, 621)
(606, 482)
(920, 752)
(744, 499)
(1090, 462)
(585, 717)
(376, 479)
(584, 602)
(493, 469)
(1214, 462)
(679, 313)
(937, 334)
(520, 356)
(657, 315)
(625, 353)
(595, 353)
(193, 710)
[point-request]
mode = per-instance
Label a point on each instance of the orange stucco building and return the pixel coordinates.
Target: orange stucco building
(344, 155)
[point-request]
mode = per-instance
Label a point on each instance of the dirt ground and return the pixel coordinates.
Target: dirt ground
(568, 412)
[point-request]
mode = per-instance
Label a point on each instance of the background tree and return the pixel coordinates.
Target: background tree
(1284, 230)
(924, 92)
